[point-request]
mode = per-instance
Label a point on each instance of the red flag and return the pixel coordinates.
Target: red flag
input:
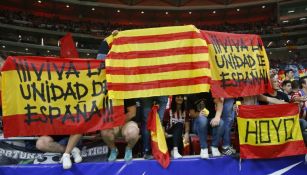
(158, 142)
(68, 49)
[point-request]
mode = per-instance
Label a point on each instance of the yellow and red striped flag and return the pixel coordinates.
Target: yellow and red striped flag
(52, 96)
(158, 142)
(157, 62)
(270, 131)
(238, 63)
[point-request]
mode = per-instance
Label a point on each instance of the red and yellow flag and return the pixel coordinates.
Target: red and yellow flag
(238, 63)
(270, 131)
(158, 142)
(51, 96)
(157, 62)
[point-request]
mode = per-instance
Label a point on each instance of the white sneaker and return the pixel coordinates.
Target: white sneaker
(215, 152)
(204, 153)
(176, 154)
(76, 154)
(66, 162)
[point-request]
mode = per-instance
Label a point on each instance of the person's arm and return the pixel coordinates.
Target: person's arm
(131, 112)
(186, 131)
(270, 100)
(219, 109)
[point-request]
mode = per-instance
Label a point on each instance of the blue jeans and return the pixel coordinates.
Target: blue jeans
(147, 104)
(228, 118)
(200, 127)
(303, 125)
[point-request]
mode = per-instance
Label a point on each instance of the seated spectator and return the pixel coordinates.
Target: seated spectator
(303, 93)
(296, 97)
(130, 131)
(289, 74)
(286, 87)
(276, 93)
(198, 105)
(57, 144)
(176, 122)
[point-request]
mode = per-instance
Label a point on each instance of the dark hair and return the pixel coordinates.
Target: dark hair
(302, 81)
(174, 105)
(287, 71)
(295, 84)
(285, 82)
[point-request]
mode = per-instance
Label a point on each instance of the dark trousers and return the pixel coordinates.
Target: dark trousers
(177, 131)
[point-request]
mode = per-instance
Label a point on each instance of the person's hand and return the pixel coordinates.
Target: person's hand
(186, 138)
(115, 32)
(215, 121)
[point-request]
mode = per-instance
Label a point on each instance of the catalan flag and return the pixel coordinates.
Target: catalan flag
(158, 142)
(157, 62)
(270, 131)
(52, 96)
(238, 63)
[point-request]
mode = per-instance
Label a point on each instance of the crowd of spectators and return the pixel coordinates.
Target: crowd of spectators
(104, 28)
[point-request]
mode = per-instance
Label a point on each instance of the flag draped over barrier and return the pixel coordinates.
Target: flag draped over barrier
(158, 142)
(238, 63)
(156, 62)
(270, 131)
(45, 95)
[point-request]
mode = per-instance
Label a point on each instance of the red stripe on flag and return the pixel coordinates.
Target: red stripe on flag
(157, 68)
(231, 39)
(10, 124)
(238, 89)
(273, 151)
(162, 158)
(50, 63)
(158, 53)
(157, 38)
(268, 111)
(158, 84)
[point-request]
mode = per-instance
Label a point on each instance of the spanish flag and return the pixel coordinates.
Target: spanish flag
(52, 96)
(270, 131)
(158, 142)
(157, 62)
(238, 63)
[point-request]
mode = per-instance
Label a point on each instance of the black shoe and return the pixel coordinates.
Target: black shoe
(148, 156)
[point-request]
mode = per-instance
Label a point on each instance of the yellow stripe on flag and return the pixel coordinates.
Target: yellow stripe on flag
(153, 61)
(158, 45)
(10, 80)
(269, 131)
(159, 136)
(139, 78)
(229, 64)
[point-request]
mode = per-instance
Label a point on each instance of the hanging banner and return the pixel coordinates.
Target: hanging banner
(13, 155)
(50, 96)
(157, 62)
(238, 63)
(270, 131)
